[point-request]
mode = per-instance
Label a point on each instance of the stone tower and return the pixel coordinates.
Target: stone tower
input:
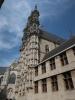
(35, 44)
(29, 52)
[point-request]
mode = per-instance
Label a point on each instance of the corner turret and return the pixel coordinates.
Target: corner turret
(32, 26)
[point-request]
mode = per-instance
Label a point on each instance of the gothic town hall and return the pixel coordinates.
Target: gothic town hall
(45, 69)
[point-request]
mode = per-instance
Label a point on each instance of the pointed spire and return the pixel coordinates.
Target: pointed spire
(1, 3)
(35, 7)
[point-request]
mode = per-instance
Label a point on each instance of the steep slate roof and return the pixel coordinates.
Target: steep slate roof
(61, 48)
(2, 70)
(51, 37)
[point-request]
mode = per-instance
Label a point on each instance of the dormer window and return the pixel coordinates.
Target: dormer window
(46, 48)
(43, 68)
(52, 64)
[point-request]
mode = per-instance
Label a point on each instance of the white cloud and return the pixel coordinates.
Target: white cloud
(13, 17)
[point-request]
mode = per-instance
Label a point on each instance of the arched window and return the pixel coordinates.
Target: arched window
(12, 78)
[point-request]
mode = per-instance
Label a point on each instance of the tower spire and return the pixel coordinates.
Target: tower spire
(33, 22)
(35, 7)
(1, 3)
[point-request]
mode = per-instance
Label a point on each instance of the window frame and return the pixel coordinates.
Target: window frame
(68, 81)
(36, 87)
(43, 67)
(64, 59)
(44, 85)
(54, 82)
(52, 64)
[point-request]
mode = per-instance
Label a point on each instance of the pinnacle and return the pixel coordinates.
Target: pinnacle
(35, 7)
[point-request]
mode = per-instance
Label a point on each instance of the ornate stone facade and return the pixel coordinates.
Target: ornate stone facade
(32, 52)
(36, 47)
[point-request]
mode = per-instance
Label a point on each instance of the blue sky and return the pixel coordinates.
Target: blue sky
(56, 16)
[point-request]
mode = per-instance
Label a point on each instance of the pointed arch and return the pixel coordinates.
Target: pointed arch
(12, 78)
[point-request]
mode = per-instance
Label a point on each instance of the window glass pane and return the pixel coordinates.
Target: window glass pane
(43, 68)
(68, 81)
(52, 64)
(44, 85)
(36, 87)
(63, 58)
(54, 83)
